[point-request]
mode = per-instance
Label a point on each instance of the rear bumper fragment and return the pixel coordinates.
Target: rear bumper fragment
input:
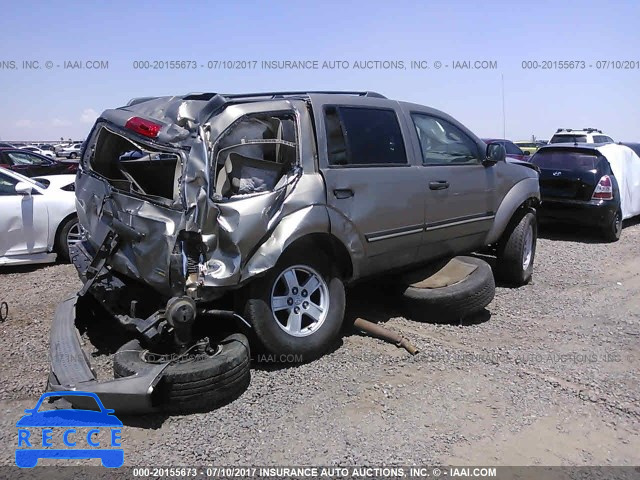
(71, 370)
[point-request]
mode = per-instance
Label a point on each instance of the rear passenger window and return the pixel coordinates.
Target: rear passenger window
(444, 143)
(363, 136)
(512, 149)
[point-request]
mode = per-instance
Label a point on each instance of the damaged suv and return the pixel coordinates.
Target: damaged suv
(277, 200)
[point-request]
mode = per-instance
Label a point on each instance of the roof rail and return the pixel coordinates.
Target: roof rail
(294, 93)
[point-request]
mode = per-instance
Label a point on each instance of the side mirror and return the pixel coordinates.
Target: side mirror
(495, 153)
(526, 153)
(23, 188)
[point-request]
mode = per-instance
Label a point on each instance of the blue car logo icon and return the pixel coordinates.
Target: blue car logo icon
(36, 431)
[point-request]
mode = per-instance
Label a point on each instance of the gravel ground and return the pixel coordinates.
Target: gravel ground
(548, 375)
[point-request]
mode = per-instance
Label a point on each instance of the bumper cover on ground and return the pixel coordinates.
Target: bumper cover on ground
(71, 370)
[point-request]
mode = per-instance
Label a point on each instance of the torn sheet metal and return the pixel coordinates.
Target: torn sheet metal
(232, 211)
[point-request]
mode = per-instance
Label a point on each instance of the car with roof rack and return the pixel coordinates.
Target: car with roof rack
(269, 204)
(583, 135)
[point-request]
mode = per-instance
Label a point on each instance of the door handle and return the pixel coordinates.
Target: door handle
(439, 185)
(343, 193)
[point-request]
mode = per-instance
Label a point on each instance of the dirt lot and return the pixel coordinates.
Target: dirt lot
(549, 375)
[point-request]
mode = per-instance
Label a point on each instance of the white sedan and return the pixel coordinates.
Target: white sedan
(38, 218)
(39, 151)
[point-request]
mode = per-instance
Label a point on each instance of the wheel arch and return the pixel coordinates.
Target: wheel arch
(309, 227)
(525, 194)
(54, 240)
(331, 246)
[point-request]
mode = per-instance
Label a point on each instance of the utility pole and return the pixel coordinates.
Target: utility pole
(504, 120)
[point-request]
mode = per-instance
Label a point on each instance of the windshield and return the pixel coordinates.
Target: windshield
(566, 160)
(568, 139)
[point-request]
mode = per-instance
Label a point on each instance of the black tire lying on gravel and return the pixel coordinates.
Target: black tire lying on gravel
(194, 385)
(455, 301)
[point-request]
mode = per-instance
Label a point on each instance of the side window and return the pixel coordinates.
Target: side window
(363, 136)
(255, 153)
(21, 158)
(7, 185)
(512, 149)
(444, 143)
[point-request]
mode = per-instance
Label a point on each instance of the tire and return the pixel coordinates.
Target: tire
(517, 249)
(73, 155)
(315, 329)
(195, 385)
(455, 301)
(69, 231)
(612, 232)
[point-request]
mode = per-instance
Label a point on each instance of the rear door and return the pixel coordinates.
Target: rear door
(459, 191)
(569, 174)
(370, 179)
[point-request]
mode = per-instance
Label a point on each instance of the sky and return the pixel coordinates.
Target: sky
(54, 101)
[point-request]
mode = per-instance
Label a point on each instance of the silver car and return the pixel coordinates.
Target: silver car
(264, 206)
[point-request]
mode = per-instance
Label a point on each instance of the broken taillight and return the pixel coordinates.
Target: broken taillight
(604, 189)
(143, 127)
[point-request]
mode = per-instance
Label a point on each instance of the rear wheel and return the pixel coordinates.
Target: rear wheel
(68, 234)
(73, 155)
(517, 249)
(612, 232)
(298, 306)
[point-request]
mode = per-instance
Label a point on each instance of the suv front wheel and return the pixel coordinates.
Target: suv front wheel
(517, 249)
(298, 306)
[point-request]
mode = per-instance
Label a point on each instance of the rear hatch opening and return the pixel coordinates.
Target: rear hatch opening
(133, 168)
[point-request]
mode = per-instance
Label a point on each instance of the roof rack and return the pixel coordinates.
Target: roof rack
(588, 130)
(298, 93)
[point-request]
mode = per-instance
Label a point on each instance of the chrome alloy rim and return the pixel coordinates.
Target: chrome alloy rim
(300, 300)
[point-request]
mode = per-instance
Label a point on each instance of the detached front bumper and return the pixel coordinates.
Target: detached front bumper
(71, 370)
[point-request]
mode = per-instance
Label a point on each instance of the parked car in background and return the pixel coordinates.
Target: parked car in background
(72, 151)
(6, 145)
(32, 164)
(527, 147)
(587, 184)
(48, 147)
(584, 135)
(39, 151)
(37, 218)
(513, 151)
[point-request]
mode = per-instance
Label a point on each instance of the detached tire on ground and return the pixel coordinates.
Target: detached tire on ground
(517, 249)
(455, 301)
(194, 385)
(297, 308)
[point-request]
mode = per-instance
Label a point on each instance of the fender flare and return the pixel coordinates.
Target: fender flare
(522, 192)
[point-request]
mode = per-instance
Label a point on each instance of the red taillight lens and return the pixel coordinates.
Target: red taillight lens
(143, 127)
(604, 189)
